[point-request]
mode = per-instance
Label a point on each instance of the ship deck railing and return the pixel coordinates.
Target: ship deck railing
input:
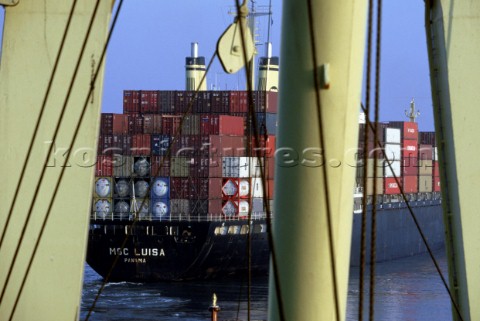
(100, 216)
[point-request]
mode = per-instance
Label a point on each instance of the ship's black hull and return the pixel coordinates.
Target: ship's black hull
(172, 251)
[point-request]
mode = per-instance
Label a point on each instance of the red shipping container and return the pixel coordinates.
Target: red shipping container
(199, 188)
(104, 166)
(186, 145)
(266, 147)
(427, 138)
(140, 144)
(410, 184)
(409, 130)
(220, 101)
(391, 186)
(148, 101)
(131, 101)
(203, 103)
(243, 102)
(160, 166)
(232, 146)
(197, 169)
(122, 144)
(215, 188)
(214, 166)
(270, 189)
(270, 167)
(425, 152)
(135, 124)
(436, 184)
(166, 101)
(409, 149)
(105, 145)
(204, 166)
(221, 125)
(171, 124)
(152, 124)
(410, 166)
(436, 168)
(181, 102)
(266, 101)
(227, 146)
(106, 124)
(231, 125)
(179, 187)
(234, 101)
(215, 207)
(120, 124)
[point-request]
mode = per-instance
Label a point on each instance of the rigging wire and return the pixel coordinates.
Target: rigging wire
(254, 126)
(316, 78)
(32, 204)
(363, 240)
(373, 237)
(37, 125)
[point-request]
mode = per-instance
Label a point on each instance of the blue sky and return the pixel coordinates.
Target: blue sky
(153, 38)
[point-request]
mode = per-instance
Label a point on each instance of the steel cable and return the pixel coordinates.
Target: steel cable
(373, 237)
(363, 238)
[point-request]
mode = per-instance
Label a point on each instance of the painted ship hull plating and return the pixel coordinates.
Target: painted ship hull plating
(180, 250)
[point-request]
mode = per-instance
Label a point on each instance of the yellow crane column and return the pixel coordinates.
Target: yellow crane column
(300, 232)
(32, 34)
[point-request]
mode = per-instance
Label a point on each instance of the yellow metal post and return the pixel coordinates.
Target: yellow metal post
(453, 42)
(300, 233)
(32, 34)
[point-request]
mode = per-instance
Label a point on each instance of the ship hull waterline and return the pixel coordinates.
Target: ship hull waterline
(176, 251)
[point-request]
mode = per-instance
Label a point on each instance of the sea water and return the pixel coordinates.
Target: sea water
(405, 289)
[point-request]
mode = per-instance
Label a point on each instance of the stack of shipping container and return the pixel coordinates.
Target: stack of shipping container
(185, 158)
(407, 154)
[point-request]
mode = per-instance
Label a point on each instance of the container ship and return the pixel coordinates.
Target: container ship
(178, 174)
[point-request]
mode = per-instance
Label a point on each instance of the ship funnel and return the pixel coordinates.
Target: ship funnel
(195, 70)
(268, 70)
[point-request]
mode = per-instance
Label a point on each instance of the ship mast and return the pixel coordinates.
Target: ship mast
(251, 19)
(412, 114)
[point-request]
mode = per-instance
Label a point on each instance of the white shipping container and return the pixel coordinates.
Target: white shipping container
(244, 188)
(392, 152)
(244, 166)
(255, 164)
(243, 207)
(393, 168)
(257, 187)
(392, 135)
(435, 154)
(230, 166)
